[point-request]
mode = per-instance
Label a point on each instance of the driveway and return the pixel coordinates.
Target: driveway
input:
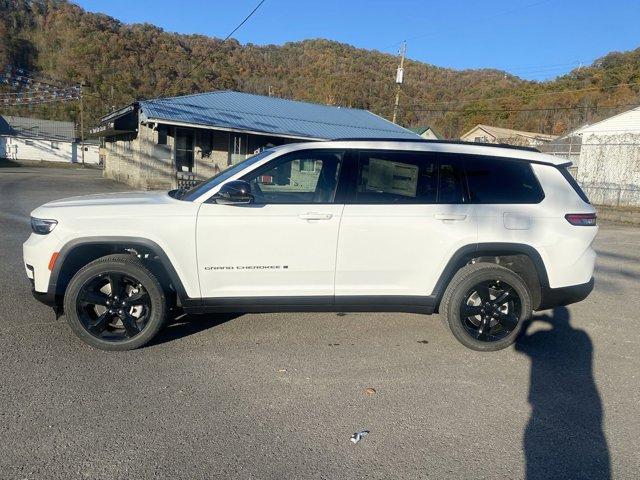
(279, 395)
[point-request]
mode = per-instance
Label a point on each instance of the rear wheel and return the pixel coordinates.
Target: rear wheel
(115, 303)
(485, 306)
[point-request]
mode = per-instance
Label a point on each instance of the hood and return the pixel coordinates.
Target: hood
(111, 199)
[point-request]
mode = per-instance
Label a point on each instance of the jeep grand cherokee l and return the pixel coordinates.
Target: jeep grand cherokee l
(482, 234)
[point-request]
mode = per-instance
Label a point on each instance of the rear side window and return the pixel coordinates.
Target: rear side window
(451, 182)
(574, 184)
(502, 181)
(396, 177)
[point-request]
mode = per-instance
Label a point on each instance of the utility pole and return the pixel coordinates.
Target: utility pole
(399, 80)
(82, 120)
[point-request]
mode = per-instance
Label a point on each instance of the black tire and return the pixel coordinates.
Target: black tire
(129, 321)
(468, 299)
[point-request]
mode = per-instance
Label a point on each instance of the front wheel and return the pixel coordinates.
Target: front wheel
(115, 303)
(485, 306)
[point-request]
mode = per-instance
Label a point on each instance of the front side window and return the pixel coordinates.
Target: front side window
(222, 177)
(299, 177)
(501, 181)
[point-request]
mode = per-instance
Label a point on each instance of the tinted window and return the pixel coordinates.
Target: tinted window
(308, 176)
(501, 181)
(396, 177)
(222, 176)
(451, 182)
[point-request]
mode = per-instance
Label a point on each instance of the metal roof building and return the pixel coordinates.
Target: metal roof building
(151, 143)
(246, 112)
(37, 128)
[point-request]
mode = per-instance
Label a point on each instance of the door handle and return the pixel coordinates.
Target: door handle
(448, 216)
(315, 216)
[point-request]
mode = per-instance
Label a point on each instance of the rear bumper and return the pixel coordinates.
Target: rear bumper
(556, 297)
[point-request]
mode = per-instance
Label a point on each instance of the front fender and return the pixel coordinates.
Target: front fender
(185, 286)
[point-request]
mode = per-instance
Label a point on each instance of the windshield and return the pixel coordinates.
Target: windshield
(224, 175)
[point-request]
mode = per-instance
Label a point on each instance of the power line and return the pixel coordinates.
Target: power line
(540, 94)
(215, 50)
(506, 110)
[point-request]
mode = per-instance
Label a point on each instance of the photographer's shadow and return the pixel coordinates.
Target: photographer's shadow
(564, 437)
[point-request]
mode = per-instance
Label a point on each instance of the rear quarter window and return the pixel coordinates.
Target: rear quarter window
(574, 184)
(498, 180)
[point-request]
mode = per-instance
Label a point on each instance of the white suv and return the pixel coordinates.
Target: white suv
(481, 234)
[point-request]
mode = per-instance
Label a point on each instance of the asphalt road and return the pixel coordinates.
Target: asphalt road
(278, 395)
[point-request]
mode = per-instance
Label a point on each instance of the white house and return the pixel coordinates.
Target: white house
(609, 166)
(35, 139)
(489, 134)
(426, 132)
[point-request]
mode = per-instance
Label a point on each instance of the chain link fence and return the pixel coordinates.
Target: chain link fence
(607, 166)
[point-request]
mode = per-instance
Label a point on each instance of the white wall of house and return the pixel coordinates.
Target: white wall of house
(609, 166)
(428, 134)
(477, 134)
(41, 150)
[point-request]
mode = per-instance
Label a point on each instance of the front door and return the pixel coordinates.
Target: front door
(284, 243)
(184, 149)
(407, 213)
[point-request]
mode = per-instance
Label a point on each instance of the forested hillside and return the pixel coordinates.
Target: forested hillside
(123, 62)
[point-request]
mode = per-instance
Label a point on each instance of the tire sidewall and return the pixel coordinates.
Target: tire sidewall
(459, 294)
(130, 268)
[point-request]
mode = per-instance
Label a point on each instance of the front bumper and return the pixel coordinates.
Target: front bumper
(46, 298)
(556, 297)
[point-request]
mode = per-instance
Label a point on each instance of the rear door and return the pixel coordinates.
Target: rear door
(405, 216)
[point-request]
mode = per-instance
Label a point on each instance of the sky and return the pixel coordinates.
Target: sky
(533, 39)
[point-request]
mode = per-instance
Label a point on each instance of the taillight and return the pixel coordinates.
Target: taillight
(581, 219)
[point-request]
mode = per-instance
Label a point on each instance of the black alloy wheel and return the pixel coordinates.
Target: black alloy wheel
(115, 303)
(485, 306)
(491, 310)
(113, 306)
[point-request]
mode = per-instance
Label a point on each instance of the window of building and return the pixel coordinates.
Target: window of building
(28, 142)
(307, 165)
(285, 181)
(237, 148)
(162, 135)
(204, 142)
(55, 146)
(502, 181)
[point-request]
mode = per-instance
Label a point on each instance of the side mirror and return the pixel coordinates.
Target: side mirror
(236, 192)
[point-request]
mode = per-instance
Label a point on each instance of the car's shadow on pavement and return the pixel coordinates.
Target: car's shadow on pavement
(564, 437)
(185, 325)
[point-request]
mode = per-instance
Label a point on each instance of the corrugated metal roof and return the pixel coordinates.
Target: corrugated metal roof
(271, 115)
(37, 128)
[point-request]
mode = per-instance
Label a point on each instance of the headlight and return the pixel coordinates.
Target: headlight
(42, 226)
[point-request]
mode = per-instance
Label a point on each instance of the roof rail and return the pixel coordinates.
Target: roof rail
(445, 142)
